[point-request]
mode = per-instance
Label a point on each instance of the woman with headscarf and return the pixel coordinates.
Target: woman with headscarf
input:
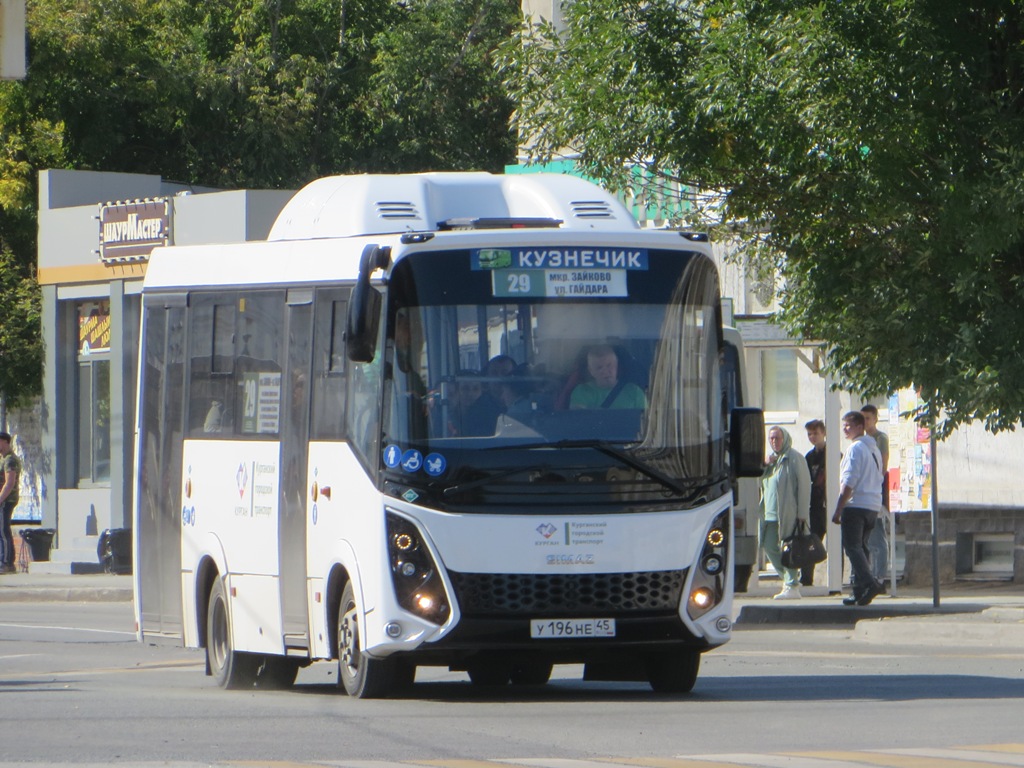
(785, 502)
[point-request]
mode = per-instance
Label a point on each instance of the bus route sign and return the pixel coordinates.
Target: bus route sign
(559, 283)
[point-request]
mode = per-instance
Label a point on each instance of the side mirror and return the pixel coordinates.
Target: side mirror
(746, 441)
(364, 307)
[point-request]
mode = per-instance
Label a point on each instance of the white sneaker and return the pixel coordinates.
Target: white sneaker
(788, 593)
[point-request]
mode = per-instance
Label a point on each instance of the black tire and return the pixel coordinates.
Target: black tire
(230, 668)
(489, 674)
(673, 672)
(276, 673)
(361, 676)
(531, 673)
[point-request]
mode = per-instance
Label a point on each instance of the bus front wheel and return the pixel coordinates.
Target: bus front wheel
(230, 668)
(673, 672)
(358, 674)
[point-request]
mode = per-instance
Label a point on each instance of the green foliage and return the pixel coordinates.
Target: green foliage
(272, 93)
(235, 94)
(21, 352)
(27, 142)
(870, 150)
(435, 98)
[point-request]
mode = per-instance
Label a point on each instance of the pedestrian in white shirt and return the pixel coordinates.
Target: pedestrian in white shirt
(860, 499)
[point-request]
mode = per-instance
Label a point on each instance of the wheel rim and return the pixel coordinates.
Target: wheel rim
(348, 641)
(218, 635)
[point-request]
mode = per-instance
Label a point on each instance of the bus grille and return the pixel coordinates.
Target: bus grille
(483, 594)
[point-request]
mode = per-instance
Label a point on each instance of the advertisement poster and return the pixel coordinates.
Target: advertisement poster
(910, 461)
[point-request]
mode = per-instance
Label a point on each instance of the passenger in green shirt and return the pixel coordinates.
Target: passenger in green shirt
(604, 390)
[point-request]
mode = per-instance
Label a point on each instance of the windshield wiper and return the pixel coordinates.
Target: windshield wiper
(453, 490)
(611, 449)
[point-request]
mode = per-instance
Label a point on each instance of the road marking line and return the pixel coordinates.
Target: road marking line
(780, 761)
(666, 762)
(998, 756)
(893, 760)
(70, 629)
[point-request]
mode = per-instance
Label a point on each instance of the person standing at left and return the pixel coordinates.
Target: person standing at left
(785, 502)
(8, 501)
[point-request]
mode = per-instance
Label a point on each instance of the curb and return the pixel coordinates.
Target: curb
(750, 616)
(65, 595)
(992, 628)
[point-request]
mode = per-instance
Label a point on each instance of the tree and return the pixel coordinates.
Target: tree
(272, 93)
(254, 93)
(436, 98)
(27, 142)
(870, 151)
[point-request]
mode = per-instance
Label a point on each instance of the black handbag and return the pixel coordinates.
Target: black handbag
(802, 549)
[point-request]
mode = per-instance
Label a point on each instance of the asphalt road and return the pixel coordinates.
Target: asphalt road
(76, 688)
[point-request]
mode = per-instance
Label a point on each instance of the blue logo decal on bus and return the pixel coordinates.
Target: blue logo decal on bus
(412, 460)
(314, 514)
(188, 516)
(435, 465)
(392, 456)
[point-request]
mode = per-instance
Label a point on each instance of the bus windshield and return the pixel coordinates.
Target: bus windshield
(489, 368)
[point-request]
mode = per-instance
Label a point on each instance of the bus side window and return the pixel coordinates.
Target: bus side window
(329, 365)
(235, 377)
(211, 381)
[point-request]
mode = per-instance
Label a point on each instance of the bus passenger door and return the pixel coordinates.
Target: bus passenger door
(158, 504)
(294, 441)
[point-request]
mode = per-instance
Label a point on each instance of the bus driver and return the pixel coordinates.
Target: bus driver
(604, 389)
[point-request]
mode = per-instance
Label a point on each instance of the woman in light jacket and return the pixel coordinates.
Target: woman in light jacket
(785, 501)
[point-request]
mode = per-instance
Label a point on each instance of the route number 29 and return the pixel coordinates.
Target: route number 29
(518, 283)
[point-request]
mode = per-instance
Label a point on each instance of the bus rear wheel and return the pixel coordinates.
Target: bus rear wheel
(360, 675)
(230, 668)
(673, 672)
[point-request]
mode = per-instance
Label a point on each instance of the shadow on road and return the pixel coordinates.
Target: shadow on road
(830, 688)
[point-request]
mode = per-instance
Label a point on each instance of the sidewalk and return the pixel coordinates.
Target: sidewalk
(989, 614)
(54, 587)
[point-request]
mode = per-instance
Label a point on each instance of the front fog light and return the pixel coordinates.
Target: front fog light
(393, 629)
(702, 597)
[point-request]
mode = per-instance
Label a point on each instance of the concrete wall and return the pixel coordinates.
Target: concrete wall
(956, 525)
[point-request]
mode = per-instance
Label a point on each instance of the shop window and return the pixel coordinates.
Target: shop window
(93, 417)
(779, 380)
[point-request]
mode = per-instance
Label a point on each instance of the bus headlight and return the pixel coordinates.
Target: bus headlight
(708, 586)
(414, 574)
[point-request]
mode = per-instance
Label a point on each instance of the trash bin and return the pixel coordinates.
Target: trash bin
(115, 550)
(39, 541)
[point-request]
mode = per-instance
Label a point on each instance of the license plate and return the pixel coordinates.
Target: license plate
(557, 629)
